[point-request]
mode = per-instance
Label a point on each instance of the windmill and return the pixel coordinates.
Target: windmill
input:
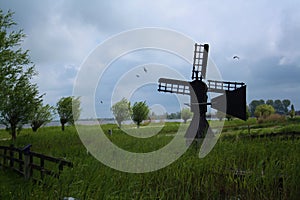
(232, 98)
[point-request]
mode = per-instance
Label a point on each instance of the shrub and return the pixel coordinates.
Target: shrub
(273, 118)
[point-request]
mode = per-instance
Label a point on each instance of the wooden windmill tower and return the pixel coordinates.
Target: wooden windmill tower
(232, 100)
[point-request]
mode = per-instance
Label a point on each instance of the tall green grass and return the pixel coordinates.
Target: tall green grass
(271, 168)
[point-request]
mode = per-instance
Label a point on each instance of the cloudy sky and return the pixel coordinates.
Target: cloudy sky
(264, 34)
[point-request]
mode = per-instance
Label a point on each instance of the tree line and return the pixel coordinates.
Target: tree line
(257, 108)
(184, 114)
(262, 109)
(21, 101)
(122, 111)
(140, 111)
(281, 107)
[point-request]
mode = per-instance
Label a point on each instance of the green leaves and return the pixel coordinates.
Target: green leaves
(264, 111)
(68, 109)
(280, 107)
(121, 111)
(140, 112)
(186, 114)
(41, 116)
(19, 97)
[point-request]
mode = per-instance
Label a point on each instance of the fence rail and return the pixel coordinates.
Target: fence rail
(24, 162)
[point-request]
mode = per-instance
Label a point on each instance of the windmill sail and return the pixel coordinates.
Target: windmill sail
(232, 103)
(173, 86)
(200, 61)
(222, 86)
(182, 87)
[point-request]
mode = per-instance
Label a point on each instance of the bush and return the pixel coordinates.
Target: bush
(273, 118)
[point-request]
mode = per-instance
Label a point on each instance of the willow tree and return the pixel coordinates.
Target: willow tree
(186, 114)
(68, 109)
(42, 115)
(121, 111)
(140, 112)
(18, 96)
(264, 111)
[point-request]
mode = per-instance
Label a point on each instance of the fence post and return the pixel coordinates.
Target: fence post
(42, 164)
(26, 165)
(20, 159)
(11, 156)
(4, 158)
(60, 167)
(27, 162)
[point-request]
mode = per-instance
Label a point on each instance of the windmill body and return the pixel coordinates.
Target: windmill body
(232, 100)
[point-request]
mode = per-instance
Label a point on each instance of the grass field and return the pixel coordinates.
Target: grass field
(237, 167)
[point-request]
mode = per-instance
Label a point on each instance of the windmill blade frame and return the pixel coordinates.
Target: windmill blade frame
(174, 86)
(200, 61)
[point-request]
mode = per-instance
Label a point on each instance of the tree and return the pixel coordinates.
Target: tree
(42, 115)
(140, 112)
(292, 111)
(121, 111)
(68, 109)
(264, 111)
(279, 107)
(176, 115)
(18, 96)
(253, 105)
(286, 103)
(228, 117)
(270, 102)
(186, 114)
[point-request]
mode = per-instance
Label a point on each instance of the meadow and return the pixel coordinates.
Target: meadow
(238, 167)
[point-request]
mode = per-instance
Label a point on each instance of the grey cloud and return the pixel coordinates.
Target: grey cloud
(264, 34)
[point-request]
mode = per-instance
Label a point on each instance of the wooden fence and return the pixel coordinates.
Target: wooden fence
(25, 162)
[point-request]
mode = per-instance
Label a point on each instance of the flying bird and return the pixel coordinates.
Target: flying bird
(101, 101)
(236, 57)
(138, 76)
(145, 70)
